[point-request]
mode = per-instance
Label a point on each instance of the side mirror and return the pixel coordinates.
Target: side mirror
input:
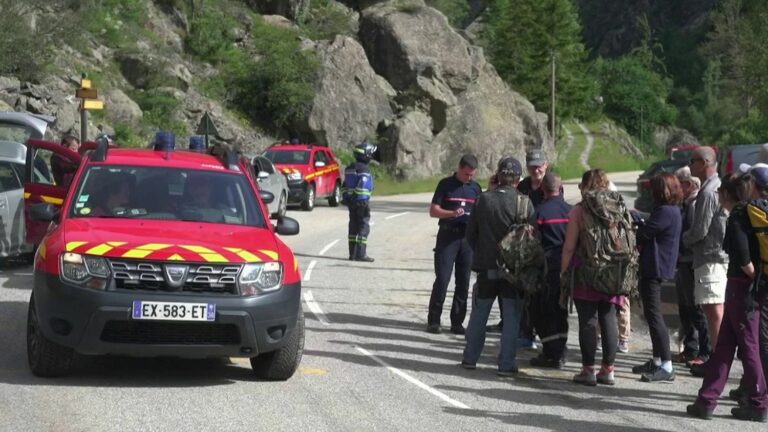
(319, 164)
(287, 226)
(262, 175)
(266, 196)
(43, 212)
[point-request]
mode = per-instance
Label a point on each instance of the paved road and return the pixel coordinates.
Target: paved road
(368, 363)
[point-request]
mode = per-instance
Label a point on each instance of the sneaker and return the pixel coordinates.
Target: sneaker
(699, 370)
(623, 347)
(364, 259)
(750, 414)
(508, 372)
(467, 365)
(543, 361)
(659, 374)
(526, 343)
(646, 367)
(434, 329)
(458, 330)
(586, 376)
(605, 376)
(696, 410)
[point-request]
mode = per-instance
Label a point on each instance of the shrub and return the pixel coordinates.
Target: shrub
(18, 41)
(114, 21)
(209, 37)
(457, 11)
(325, 20)
(160, 111)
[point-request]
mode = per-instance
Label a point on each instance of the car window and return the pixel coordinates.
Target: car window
(168, 194)
(266, 165)
(329, 156)
(16, 133)
(293, 157)
(9, 180)
(320, 157)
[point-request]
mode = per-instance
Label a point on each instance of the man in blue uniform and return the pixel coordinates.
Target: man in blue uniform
(356, 193)
(549, 319)
(452, 203)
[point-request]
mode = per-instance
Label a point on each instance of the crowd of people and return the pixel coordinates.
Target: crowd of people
(702, 234)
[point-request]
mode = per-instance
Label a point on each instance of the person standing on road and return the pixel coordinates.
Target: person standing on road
(549, 318)
(739, 328)
(356, 194)
(659, 242)
(705, 238)
(693, 324)
(452, 203)
(495, 212)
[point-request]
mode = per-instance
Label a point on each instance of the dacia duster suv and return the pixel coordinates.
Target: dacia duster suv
(161, 253)
(312, 172)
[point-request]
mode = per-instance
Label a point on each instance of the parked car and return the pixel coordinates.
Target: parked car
(735, 155)
(272, 180)
(644, 200)
(312, 172)
(684, 152)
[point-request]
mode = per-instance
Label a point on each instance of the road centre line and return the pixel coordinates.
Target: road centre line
(308, 273)
(413, 380)
(314, 307)
(396, 215)
(328, 246)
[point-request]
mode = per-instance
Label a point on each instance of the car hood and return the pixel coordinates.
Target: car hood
(286, 168)
(169, 241)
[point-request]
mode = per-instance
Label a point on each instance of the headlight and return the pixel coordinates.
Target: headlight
(294, 176)
(260, 277)
(85, 271)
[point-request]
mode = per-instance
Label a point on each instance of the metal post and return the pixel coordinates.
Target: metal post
(83, 120)
(552, 53)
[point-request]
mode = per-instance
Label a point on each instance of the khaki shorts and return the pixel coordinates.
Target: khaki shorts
(710, 281)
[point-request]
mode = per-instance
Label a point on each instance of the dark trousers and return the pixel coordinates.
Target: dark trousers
(764, 337)
(693, 323)
(549, 319)
(650, 293)
(451, 251)
(589, 314)
(737, 330)
(359, 228)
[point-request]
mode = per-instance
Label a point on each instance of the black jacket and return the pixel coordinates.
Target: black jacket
(495, 211)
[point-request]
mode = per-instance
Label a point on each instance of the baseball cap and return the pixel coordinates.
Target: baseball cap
(745, 168)
(535, 157)
(510, 165)
(760, 176)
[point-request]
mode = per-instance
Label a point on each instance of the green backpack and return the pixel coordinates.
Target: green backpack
(607, 244)
(521, 256)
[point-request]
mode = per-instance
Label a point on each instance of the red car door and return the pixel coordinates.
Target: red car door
(49, 170)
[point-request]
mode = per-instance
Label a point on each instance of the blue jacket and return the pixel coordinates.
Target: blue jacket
(358, 183)
(659, 241)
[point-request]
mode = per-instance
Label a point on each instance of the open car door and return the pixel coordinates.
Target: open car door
(49, 170)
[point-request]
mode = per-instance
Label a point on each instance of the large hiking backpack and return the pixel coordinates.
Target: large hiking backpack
(757, 210)
(521, 256)
(607, 244)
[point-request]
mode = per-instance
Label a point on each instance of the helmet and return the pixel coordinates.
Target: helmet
(364, 152)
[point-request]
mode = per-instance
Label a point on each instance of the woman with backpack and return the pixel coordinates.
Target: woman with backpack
(659, 242)
(592, 305)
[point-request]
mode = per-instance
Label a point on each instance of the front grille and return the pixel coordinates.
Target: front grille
(170, 333)
(200, 278)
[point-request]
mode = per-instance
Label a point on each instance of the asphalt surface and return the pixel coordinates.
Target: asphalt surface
(368, 363)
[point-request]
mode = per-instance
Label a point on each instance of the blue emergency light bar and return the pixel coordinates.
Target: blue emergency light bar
(197, 143)
(164, 141)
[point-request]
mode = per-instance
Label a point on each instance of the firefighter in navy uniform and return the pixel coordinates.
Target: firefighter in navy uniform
(356, 192)
(452, 203)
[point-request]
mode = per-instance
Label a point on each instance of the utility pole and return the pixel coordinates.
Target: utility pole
(552, 115)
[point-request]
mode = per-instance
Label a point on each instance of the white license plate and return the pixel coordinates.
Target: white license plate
(172, 311)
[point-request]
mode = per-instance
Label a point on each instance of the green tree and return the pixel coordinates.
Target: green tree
(522, 36)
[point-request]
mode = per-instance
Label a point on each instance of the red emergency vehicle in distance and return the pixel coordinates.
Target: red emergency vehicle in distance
(161, 253)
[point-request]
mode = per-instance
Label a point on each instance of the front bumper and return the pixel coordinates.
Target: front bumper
(297, 191)
(99, 322)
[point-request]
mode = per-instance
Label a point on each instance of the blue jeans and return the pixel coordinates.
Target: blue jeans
(478, 319)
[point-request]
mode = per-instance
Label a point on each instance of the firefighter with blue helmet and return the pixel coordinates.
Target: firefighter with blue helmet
(356, 193)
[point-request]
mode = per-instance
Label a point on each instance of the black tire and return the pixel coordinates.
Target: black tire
(282, 364)
(335, 199)
(309, 199)
(46, 358)
(282, 206)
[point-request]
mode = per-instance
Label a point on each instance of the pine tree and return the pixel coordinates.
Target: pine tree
(522, 36)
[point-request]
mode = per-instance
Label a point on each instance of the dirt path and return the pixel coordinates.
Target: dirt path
(584, 158)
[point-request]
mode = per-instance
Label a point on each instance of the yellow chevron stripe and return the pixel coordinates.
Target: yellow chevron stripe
(198, 249)
(100, 249)
(51, 200)
(27, 195)
(213, 257)
(244, 254)
(176, 257)
(144, 250)
(74, 245)
(270, 253)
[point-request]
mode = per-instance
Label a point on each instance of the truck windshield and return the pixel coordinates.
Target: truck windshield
(168, 194)
(289, 157)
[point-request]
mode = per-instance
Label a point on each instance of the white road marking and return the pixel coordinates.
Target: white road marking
(413, 380)
(308, 273)
(314, 307)
(329, 246)
(396, 215)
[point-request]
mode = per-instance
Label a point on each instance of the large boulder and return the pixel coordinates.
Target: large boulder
(351, 100)
(413, 153)
(121, 108)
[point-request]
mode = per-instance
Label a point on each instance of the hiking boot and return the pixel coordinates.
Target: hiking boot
(458, 329)
(699, 370)
(543, 361)
(736, 394)
(750, 414)
(646, 367)
(505, 373)
(623, 346)
(586, 376)
(696, 410)
(605, 376)
(659, 374)
(467, 365)
(364, 259)
(434, 329)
